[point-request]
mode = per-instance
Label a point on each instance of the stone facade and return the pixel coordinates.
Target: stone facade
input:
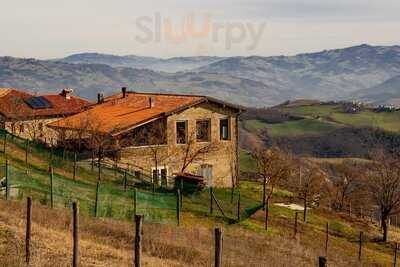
(218, 165)
(34, 129)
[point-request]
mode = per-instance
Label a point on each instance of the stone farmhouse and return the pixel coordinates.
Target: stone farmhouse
(164, 135)
(27, 115)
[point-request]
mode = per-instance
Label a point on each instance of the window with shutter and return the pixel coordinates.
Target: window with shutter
(224, 129)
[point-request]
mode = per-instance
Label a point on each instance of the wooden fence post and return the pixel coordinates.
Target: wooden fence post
(322, 262)
(51, 188)
(178, 197)
(360, 247)
(7, 182)
(326, 239)
(218, 247)
(138, 240)
(75, 234)
(28, 229)
(96, 199)
(211, 200)
(395, 255)
(238, 208)
(295, 224)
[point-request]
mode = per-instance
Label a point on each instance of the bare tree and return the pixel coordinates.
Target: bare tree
(383, 181)
(80, 132)
(153, 135)
(346, 182)
(85, 131)
(274, 166)
(99, 142)
(310, 183)
(193, 152)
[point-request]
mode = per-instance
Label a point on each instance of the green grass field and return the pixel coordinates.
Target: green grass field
(312, 111)
(247, 163)
(293, 128)
(383, 120)
(320, 119)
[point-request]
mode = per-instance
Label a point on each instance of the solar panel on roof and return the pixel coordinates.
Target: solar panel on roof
(38, 102)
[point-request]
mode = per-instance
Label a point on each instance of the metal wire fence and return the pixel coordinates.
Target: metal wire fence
(119, 193)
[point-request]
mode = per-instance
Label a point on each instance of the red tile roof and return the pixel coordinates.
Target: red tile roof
(119, 114)
(13, 105)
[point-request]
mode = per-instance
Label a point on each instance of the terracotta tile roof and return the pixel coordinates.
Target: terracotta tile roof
(119, 114)
(13, 105)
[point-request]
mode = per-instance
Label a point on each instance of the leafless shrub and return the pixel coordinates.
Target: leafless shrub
(383, 182)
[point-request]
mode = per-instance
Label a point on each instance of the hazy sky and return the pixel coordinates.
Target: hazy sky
(55, 28)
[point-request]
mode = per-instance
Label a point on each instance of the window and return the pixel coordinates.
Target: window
(164, 180)
(203, 130)
(160, 176)
(21, 128)
(181, 132)
(224, 129)
(40, 126)
(206, 170)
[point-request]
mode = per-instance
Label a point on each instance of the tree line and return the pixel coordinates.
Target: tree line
(372, 185)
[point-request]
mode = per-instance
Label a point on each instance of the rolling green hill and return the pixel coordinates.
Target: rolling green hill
(322, 118)
(327, 130)
(292, 128)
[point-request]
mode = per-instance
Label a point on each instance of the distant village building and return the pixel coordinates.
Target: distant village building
(385, 108)
(26, 115)
(353, 107)
(163, 134)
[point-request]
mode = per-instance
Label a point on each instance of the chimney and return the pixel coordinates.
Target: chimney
(152, 102)
(123, 89)
(66, 93)
(100, 98)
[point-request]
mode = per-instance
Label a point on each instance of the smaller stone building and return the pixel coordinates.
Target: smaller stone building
(165, 134)
(26, 115)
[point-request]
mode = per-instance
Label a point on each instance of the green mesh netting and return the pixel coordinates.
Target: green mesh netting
(116, 193)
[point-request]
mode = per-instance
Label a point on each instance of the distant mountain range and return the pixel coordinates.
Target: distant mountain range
(137, 62)
(367, 73)
(387, 92)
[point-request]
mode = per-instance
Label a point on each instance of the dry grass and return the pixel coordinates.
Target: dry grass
(110, 243)
(343, 237)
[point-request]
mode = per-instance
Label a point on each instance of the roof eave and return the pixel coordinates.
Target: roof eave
(136, 125)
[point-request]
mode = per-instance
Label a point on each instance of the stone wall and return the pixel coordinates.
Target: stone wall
(33, 129)
(221, 155)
